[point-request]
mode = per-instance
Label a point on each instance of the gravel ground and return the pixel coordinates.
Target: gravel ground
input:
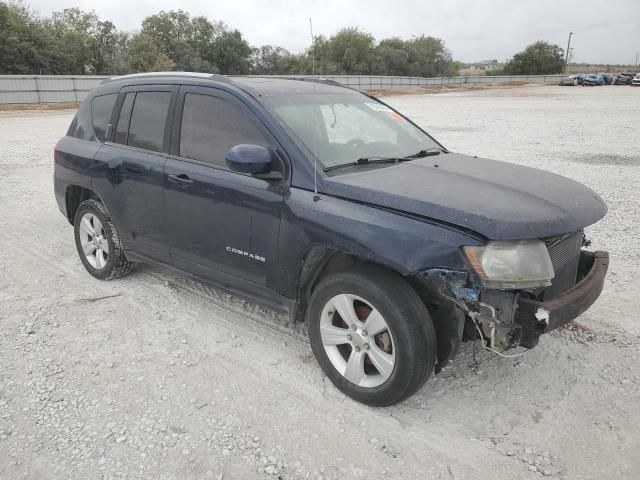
(155, 376)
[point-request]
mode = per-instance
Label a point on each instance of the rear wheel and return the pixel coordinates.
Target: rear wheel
(98, 242)
(372, 335)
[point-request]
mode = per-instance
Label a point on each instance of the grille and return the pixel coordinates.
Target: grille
(564, 249)
(565, 256)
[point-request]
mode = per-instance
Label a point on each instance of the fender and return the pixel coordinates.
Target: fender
(399, 242)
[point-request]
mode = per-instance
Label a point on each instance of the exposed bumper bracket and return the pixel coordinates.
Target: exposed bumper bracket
(538, 317)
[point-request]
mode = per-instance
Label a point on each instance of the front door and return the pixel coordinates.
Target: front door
(219, 223)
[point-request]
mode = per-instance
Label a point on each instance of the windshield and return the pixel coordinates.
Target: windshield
(342, 128)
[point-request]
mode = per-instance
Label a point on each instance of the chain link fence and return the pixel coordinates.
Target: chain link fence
(67, 88)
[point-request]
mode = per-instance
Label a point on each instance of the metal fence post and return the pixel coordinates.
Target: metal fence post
(35, 78)
(75, 89)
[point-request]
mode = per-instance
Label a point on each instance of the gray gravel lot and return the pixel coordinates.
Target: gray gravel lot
(155, 376)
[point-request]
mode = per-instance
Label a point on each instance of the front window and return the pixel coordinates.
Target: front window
(342, 128)
(211, 126)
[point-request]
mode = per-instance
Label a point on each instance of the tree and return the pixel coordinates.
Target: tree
(296, 64)
(18, 40)
(353, 51)
(321, 53)
(540, 58)
(204, 35)
(108, 49)
(145, 56)
(168, 29)
(428, 57)
(349, 50)
(186, 41)
(73, 39)
(232, 53)
(196, 44)
(270, 60)
(186, 59)
(391, 58)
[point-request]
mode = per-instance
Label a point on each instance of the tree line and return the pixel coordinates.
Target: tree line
(77, 42)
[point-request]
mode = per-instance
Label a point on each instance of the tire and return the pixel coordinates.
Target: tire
(102, 255)
(388, 366)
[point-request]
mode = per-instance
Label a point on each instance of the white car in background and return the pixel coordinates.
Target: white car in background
(636, 80)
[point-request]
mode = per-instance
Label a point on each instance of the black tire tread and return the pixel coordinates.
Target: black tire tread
(392, 289)
(120, 266)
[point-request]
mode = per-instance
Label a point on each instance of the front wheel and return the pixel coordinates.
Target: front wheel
(372, 335)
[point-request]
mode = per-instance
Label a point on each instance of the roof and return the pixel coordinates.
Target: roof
(264, 86)
(271, 86)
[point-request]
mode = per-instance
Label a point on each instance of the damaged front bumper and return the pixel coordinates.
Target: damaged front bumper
(538, 317)
(506, 319)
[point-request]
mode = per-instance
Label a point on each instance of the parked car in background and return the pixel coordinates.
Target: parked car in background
(569, 81)
(636, 80)
(608, 78)
(579, 77)
(572, 80)
(624, 79)
(592, 80)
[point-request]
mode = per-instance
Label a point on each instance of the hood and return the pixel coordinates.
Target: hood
(499, 200)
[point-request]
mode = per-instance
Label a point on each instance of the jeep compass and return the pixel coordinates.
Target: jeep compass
(323, 202)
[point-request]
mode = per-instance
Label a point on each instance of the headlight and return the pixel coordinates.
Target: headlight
(511, 265)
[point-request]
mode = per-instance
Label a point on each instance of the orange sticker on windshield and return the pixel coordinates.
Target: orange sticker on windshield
(396, 116)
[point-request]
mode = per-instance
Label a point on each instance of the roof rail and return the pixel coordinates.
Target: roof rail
(212, 76)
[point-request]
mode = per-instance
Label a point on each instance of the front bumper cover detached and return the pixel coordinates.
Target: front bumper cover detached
(552, 314)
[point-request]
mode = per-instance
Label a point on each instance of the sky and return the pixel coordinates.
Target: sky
(604, 31)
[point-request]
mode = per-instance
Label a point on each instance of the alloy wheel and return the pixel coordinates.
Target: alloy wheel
(357, 340)
(93, 240)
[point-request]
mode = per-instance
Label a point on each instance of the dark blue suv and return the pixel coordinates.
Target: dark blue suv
(323, 202)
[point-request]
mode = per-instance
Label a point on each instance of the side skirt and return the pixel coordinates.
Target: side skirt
(234, 286)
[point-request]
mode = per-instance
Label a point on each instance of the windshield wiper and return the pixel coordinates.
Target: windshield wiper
(428, 152)
(367, 160)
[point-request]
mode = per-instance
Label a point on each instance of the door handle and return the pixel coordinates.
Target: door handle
(182, 179)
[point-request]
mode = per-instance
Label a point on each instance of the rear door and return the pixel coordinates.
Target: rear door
(132, 164)
(219, 223)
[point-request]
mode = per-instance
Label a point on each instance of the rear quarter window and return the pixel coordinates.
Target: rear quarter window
(81, 126)
(101, 108)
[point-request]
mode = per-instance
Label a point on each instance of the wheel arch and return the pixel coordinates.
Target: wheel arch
(448, 320)
(74, 196)
(321, 261)
(318, 262)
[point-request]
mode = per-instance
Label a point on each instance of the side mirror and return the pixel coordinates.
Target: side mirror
(252, 159)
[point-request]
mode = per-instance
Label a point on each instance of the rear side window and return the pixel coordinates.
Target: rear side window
(148, 119)
(211, 126)
(101, 108)
(81, 127)
(122, 127)
(71, 132)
